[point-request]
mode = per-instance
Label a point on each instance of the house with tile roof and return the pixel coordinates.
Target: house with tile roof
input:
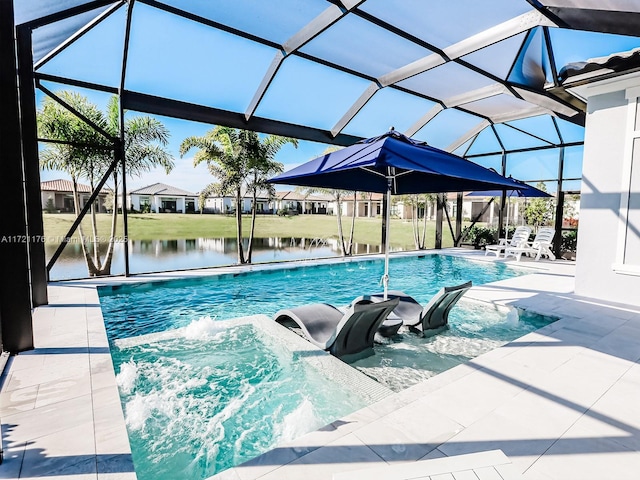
(57, 196)
(162, 198)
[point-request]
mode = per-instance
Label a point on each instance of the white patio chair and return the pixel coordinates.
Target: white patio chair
(541, 246)
(520, 237)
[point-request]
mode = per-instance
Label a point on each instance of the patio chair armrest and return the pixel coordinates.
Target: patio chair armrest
(525, 244)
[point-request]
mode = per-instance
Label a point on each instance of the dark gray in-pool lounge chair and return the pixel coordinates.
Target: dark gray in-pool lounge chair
(349, 335)
(427, 320)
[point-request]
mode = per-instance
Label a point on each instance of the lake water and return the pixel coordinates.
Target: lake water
(165, 255)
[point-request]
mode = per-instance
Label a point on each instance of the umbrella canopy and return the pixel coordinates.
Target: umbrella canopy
(411, 165)
(525, 190)
(394, 164)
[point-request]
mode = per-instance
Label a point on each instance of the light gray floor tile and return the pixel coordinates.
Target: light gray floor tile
(13, 457)
(63, 452)
(580, 455)
(25, 361)
(49, 419)
(465, 475)
(467, 401)
(495, 432)
(63, 389)
(487, 473)
(399, 437)
(442, 476)
(20, 400)
(345, 454)
(117, 476)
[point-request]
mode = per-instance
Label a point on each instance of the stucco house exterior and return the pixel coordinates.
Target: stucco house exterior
(314, 204)
(226, 204)
(60, 192)
(162, 198)
(608, 261)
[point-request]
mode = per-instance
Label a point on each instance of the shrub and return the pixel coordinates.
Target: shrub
(49, 206)
(569, 241)
(480, 236)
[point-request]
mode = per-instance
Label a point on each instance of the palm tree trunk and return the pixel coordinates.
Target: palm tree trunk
(239, 226)
(424, 226)
(340, 231)
(94, 229)
(254, 208)
(106, 267)
(414, 224)
(91, 268)
(353, 223)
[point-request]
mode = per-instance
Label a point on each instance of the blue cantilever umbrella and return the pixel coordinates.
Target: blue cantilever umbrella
(396, 165)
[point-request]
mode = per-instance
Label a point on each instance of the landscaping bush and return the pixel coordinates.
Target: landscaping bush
(480, 236)
(569, 241)
(50, 207)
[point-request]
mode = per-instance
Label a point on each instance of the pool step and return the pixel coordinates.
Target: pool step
(489, 465)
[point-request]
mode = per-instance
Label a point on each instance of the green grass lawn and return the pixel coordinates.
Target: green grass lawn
(152, 226)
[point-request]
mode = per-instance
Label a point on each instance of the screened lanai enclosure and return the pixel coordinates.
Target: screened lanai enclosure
(485, 80)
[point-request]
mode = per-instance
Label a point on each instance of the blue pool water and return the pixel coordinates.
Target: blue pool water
(214, 397)
(152, 307)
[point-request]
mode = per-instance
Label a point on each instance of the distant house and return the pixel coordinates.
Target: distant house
(366, 204)
(58, 195)
(162, 198)
(405, 211)
(227, 203)
(305, 204)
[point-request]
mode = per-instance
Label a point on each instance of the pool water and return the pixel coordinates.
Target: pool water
(214, 397)
(138, 309)
(474, 328)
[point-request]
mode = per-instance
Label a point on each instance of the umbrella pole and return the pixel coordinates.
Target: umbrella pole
(506, 228)
(385, 277)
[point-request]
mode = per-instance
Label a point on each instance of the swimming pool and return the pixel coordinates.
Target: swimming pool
(137, 309)
(164, 383)
(474, 328)
(215, 394)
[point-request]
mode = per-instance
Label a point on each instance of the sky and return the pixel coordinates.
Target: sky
(185, 175)
(163, 62)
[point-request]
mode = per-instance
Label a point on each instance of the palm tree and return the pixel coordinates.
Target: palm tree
(240, 162)
(416, 202)
(145, 139)
(261, 168)
(338, 197)
(77, 158)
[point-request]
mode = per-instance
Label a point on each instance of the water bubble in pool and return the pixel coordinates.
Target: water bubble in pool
(126, 379)
(137, 410)
(513, 318)
(202, 328)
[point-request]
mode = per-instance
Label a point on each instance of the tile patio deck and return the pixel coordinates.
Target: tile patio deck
(561, 403)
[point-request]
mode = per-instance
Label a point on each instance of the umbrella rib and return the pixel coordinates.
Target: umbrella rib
(352, 158)
(375, 172)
